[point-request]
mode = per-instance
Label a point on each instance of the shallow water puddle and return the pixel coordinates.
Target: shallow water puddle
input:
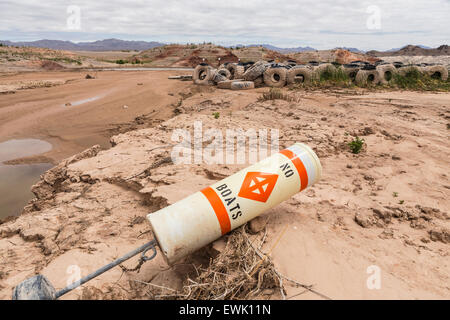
(16, 180)
(19, 148)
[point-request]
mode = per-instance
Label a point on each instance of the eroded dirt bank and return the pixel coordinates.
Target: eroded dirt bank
(73, 113)
(386, 207)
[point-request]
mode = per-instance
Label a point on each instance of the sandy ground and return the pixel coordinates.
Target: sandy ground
(106, 55)
(96, 106)
(385, 207)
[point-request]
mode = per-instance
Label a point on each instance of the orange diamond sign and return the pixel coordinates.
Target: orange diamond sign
(258, 186)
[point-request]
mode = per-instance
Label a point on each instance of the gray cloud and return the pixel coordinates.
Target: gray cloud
(286, 23)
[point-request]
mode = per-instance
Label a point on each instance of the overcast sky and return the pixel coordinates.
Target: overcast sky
(383, 24)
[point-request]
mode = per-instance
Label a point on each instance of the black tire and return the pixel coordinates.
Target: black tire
(351, 70)
(242, 85)
(365, 77)
(259, 82)
(437, 72)
(275, 77)
(386, 72)
(256, 70)
(291, 63)
(299, 74)
(227, 83)
(369, 67)
(236, 70)
(218, 77)
(203, 75)
(225, 72)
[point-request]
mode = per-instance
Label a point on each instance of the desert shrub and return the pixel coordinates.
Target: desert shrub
(415, 80)
(356, 145)
(328, 78)
(120, 61)
(241, 271)
(276, 94)
(335, 77)
(61, 59)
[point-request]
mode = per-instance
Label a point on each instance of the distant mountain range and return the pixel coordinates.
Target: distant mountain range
(101, 45)
(397, 49)
(118, 45)
(281, 50)
(356, 50)
(411, 50)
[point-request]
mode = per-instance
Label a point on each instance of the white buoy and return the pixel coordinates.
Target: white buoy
(205, 216)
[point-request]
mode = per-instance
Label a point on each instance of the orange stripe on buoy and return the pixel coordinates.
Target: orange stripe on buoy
(219, 209)
(299, 166)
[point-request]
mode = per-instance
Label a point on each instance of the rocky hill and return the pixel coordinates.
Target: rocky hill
(282, 50)
(336, 55)
(190, 55)
(411, 50)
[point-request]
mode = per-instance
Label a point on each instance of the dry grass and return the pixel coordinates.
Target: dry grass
(277, 94)
(240, 271)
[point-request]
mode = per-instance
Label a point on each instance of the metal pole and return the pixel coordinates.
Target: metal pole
(111, 265)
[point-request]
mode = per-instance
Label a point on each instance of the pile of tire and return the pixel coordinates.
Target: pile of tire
(386, 71)
(203, 74)
(275, 75)
(300, 74)
(368, 75)
(351, 70)
(249, 75)
(439, 72)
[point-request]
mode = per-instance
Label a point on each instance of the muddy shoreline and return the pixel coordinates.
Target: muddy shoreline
(72, 126)
(70, 118)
